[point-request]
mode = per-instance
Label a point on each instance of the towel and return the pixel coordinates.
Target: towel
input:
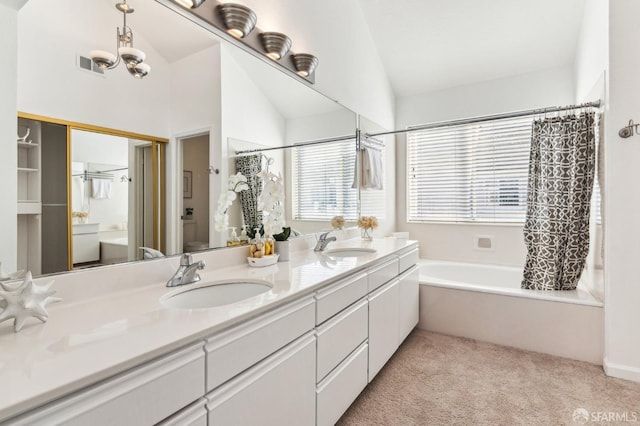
(77, 194)
(371, 168)
(101, 188)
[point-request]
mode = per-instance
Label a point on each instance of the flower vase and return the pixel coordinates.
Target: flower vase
(367, 234)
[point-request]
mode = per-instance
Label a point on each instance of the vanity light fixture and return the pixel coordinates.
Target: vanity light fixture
(239, 20)
(189, 4)
(132, 57)
(305, 64)
(276, 45)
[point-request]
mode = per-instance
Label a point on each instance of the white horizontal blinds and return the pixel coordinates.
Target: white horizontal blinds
(469, 173)
(322, 181)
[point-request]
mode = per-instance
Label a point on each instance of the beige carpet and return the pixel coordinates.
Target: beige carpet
(434, 379)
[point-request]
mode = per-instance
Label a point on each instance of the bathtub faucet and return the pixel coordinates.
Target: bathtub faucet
(187, 272)
(323, 241)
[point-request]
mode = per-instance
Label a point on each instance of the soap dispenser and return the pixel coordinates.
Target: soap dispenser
(233, 240)
(244, 239)
(256, 248)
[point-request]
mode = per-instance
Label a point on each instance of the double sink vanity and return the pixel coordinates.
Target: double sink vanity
(291, 343)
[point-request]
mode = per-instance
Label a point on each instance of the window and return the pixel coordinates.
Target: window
(470, 172)
(322, 177)
(473, 172)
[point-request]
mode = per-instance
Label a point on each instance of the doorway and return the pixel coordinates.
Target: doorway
(195, 192)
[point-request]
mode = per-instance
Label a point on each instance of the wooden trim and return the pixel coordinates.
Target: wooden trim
(69, 206)
(163, 197)
(92, 128)
(154, 171)
(158, 169)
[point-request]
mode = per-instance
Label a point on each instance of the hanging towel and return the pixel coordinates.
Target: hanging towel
(101, 188)
(77, 194)
(371, 168)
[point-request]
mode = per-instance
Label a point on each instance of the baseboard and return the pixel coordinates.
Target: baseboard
(621, 371)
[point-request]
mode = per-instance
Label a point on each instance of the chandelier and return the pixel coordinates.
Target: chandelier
(132, 58)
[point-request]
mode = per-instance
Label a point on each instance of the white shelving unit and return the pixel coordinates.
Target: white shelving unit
(29, 196)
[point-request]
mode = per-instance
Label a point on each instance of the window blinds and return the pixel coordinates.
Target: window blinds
(470, 172)
(322, 177)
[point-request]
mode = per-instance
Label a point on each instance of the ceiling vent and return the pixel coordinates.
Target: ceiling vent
(86, 64)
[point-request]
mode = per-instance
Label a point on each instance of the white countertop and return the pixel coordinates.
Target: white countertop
(93, 338)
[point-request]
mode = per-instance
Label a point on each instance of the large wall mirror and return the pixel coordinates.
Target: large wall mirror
(207, 97)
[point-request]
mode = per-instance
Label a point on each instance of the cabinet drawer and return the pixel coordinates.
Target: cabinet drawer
(144, 395)
(233, 351)
(381, 274)
(336, 393)
(193, 415)
(407, 260)
(336, 297)
(278, 391)
(339, 336)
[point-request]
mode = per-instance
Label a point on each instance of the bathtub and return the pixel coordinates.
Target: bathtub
(485, 302)
(114, 250)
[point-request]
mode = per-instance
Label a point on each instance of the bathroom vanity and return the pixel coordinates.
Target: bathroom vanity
(299, 353)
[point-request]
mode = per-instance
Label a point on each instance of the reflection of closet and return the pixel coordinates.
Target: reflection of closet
(42, 197)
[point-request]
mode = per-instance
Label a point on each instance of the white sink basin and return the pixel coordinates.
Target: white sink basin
(213, 294)
(350, 252)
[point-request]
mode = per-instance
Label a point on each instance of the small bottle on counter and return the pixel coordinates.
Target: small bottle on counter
(244, 239)
(269, 245)
(256, 248)
(233, 240)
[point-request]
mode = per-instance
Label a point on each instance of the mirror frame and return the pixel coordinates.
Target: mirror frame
(158, 151)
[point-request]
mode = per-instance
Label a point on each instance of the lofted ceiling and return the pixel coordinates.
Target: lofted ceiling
(424, 45)
(427, 45)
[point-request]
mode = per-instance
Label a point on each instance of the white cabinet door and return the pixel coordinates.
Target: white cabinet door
(383, 325)
(409, 300)
(279, 390)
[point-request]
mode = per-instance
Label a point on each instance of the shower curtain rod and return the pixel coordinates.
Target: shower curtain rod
(594, 104)
(297, 145)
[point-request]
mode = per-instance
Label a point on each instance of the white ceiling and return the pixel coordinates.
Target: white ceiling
(426, 45)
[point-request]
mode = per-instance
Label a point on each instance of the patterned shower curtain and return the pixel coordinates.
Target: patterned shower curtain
(250, 166)
(561, 173)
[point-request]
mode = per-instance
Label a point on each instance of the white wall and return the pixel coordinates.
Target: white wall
(104, 152)
(8, 147)
(51, 84)
(622, 228)
(195, 108)
(247, 115)
(375, 202)
(592, 52)
(456, 242)
(349, 70)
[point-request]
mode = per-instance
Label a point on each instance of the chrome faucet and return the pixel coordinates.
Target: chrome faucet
(187, 272)
(323, 241)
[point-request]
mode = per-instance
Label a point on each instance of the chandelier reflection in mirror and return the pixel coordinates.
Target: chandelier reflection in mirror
(133, 58)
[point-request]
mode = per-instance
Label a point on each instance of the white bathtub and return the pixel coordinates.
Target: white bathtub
(114, 250)
(485, 302)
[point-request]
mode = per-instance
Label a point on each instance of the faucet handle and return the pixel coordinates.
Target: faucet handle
(186, 259)
(324, 235)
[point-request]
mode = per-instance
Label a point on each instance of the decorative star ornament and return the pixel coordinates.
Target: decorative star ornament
(10, 276)
(24, 301)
